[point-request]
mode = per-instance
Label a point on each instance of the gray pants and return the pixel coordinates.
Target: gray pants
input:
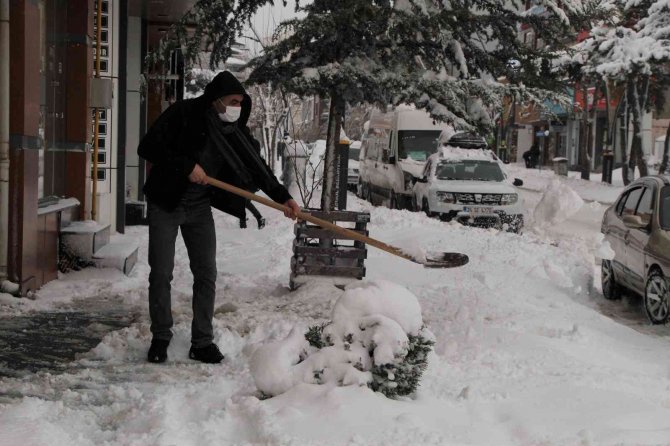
(197, 229)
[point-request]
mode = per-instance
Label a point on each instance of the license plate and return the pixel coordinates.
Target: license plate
(478, 210)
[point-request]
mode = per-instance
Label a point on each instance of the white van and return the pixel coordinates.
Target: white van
(394, 150)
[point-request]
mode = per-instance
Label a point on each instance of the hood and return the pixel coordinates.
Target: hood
(224, 84)
(484, 187)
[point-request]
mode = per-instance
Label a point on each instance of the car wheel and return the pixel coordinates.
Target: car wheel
(368, 195)
(414, 204)
(611, 289)
(393, 201)
(656, 299)
(425, 207)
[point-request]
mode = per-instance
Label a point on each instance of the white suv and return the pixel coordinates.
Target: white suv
(469, 185)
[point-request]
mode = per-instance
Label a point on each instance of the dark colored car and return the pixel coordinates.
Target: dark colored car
(637, 227)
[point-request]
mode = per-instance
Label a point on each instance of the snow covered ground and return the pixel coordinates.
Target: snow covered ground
(527, 352)
(593, 190)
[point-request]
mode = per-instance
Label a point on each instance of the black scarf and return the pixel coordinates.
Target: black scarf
(237, 151)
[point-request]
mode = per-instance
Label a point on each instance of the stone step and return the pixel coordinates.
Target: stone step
(119, 254)
(85, 237)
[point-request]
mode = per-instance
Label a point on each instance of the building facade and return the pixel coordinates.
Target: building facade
(562, 133)
(49, 53)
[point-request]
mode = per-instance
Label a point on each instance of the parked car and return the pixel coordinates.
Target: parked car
(470, 186)
(637, 227)
(394, 150)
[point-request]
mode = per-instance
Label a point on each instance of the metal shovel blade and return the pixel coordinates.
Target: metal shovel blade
(445, 260)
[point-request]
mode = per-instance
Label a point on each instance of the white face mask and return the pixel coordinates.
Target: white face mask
(232, 114)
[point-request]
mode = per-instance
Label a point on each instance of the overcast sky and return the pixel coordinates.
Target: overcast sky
(267, 18)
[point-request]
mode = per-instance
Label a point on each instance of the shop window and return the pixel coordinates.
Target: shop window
(53, 144)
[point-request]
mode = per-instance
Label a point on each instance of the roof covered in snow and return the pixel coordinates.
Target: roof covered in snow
(449, 153)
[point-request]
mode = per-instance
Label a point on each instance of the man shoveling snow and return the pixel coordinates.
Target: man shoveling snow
(191, 140)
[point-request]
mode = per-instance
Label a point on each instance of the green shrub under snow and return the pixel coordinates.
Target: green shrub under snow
(398, 378)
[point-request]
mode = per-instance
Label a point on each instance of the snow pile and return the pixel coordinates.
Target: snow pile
(558, 203)
(603, 249)
(411, 248)
(451, 153)
(376, 338)
(594, 189)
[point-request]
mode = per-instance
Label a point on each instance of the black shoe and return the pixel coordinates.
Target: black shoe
(261, 223)
(209, 354)
(158, 350)
(243, 223)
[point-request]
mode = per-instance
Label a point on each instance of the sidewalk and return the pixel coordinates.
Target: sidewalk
(594, 190)
(50, 340)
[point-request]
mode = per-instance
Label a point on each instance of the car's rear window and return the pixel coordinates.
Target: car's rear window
(474, 170)
(665, 208)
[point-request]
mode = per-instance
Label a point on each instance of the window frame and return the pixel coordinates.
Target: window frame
(622, 204)
(652, 190)
(664, 190)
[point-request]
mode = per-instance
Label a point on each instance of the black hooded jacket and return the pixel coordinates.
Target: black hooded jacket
(173, 144)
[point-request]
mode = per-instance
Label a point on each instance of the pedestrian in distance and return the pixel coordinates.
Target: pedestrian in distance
(532, 156)
(256, 213)
(191, 140)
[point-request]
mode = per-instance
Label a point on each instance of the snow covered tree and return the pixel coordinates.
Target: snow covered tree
(195, 81)
(443, 57)
(656, 25)
(630, 50)
(210, 26)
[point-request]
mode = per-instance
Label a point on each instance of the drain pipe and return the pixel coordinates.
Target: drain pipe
(4, 139)
(5, 285)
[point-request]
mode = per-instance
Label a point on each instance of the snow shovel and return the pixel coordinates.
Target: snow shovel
(433, 260)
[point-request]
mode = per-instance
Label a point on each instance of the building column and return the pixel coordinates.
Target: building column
(78, 114)
(24, 104)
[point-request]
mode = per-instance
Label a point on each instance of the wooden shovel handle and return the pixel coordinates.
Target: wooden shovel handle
(310, 218)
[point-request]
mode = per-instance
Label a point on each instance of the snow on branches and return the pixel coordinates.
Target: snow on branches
(442, 56)
(209, 26)
(635, 41)
(631, 51)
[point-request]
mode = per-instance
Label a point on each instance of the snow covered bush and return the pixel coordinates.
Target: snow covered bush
(376, 338)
